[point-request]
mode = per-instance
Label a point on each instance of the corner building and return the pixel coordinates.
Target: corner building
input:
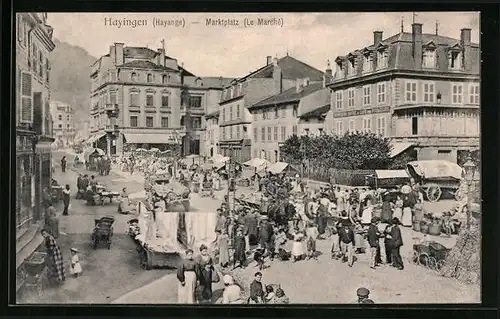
(421, 90)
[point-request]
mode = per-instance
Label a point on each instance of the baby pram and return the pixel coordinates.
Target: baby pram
(103, 231)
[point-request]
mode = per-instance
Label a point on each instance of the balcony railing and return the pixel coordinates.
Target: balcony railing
(111, 107)
(108, 128)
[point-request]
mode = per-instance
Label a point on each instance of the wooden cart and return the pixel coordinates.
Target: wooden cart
(436, 177)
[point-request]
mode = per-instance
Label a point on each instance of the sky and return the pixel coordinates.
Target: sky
(235, 51)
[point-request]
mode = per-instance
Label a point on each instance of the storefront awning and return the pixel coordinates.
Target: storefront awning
(142, 138)
(95, 137)
(398, 148)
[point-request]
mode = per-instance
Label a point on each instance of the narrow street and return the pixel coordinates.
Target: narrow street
(107, 274)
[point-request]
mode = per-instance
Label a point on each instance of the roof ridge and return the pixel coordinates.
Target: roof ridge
(302, 62)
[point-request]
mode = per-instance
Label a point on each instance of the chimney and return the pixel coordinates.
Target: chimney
(278, 77)
(465, 41)
(325, 80)
(299, 85)
(161, 57)
(120, 59)
(112, 54)
(269, 60)
(377, 37)
(416, 29)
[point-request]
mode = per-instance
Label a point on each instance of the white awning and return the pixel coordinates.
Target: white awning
(398, 148)
(142, 138)
(389, 173)
(95, 137)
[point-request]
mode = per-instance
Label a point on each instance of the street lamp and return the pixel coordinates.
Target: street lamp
(469, 170)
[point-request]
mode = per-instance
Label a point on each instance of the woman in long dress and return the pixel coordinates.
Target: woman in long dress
(56, 261)
(398, 208)
(223, 245)
(187, 274)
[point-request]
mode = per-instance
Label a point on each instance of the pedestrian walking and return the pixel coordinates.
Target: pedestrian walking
(373, 241)
(63, 164)
(56, 262)
(187, 277)
(206, 276)
(223, 246)
(346, 235)
(396, 243)
(76, 267)
(312, 234)
(239, 257)
(66, 199)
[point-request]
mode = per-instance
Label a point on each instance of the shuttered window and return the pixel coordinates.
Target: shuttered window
(26, 102)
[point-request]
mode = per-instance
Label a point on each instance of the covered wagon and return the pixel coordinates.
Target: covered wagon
(436, 177)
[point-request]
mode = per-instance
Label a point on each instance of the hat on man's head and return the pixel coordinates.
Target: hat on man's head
(363, 292)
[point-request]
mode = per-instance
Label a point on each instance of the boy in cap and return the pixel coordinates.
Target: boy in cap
(363, 294)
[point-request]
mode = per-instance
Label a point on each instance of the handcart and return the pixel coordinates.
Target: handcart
(103, 231)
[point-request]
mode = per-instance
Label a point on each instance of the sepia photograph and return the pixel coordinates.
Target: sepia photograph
(247, 158)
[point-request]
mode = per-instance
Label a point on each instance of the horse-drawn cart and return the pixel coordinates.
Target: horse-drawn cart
(436, 177)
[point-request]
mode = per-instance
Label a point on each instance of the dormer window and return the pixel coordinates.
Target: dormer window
(382, 59)
(367, 61)
(455, 59)
(134, 77)
(150, 78)
(339, 68)
(429, 59)
(351, 65)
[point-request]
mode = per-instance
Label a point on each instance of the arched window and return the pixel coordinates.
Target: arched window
(164, 79)
(150, 78)
(134, 77)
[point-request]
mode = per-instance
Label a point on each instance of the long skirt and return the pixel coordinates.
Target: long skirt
(57, 264)
(398, 213)
(359, 241)
(298, 249)
(321, 220)
(406, 219)
(186, 293)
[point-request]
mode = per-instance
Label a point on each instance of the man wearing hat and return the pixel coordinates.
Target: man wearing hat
(346, 236)
(396, 241)
(373, 241)
(363, 294)
(265, 233)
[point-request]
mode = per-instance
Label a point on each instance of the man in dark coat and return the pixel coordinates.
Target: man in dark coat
(239, 256)
(373, 241)
(396, 243)
(346, 236)
(250, 228)
(265, 233)
(256, 289)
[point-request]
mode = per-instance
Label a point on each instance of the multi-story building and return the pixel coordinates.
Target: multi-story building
(295, 111)
(139, 98)
(33, 119)
(235, 119)
(419, 89)
(64, 129)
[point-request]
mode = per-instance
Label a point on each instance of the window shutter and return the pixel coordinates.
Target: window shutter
(26, 98)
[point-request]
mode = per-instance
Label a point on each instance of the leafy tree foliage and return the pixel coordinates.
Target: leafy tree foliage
(353, 150)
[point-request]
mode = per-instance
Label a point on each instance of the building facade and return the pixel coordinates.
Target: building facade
(235, 119)
(33, 119)
(141, 98)
(416, 88)
(291, 112)
(64, 129)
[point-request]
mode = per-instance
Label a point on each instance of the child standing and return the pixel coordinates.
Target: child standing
(76, 268)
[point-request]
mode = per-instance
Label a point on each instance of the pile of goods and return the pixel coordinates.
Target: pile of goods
(464, 260)
(133, 228)
(160, 246)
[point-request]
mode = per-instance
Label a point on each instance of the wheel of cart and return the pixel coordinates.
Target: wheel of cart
(439, 265)
(433, 192)
(414, 257)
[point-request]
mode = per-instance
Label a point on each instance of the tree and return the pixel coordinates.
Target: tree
(353, 150)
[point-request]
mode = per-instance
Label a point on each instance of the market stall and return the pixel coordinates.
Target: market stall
(281, 167)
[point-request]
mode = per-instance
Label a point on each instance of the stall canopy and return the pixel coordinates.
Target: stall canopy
(280, 167)
(436, 169)
(388, 173)
(257, 163)
(139, 138)
(94, 138)
(398, 148)
(91, 151)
